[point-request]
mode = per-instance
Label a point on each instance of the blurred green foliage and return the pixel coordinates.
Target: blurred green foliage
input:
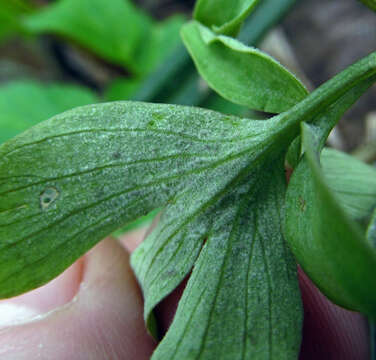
(25, 103)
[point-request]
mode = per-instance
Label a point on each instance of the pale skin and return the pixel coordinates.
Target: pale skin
(95, 311)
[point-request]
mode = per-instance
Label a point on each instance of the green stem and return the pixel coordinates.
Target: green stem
(362, 73)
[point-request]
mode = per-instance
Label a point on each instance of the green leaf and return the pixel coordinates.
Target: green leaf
(242, 299)
(352, 181)
(370, 3)
(26, 103)
(327, 244)
(223, 16)
(68, 182)
(115, 32)
(241, 74)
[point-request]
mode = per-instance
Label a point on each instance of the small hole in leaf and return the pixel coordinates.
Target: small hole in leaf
(47, 197)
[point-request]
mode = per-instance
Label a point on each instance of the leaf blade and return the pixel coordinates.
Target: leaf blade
(144, 155)
(247, 77)
(230, 286)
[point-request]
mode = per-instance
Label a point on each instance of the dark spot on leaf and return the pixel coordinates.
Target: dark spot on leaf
(171, 273)
(116, 155)
(302, 204)
(151, 123)
(47, 197)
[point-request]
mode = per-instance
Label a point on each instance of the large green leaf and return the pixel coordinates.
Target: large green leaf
(68, 182)
(223, 16)
(327, 244)
(241, 74)
(26, 103)
(353, 182)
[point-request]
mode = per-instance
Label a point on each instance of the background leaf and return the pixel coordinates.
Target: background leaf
(10, 14)
(246, 76)
(352, 181)
(223, 16)
(120, 33)
(26, 103)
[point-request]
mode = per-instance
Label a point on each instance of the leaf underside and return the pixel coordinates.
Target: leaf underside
(242, 299)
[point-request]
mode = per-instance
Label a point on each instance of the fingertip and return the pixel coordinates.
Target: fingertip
(104, 320)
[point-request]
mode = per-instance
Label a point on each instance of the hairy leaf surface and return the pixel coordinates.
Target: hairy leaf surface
(242, 299)
(241, 74)
(70, 181)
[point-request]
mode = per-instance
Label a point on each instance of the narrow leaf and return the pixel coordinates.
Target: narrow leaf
(241, 74)
(223, 16)
(327, 244)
